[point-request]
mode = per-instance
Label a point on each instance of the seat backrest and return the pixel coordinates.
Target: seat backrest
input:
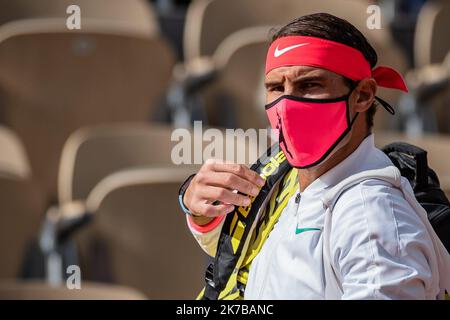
(431, 42)
(139, 13)
(13, 158)
(21, 206)
(143, 235)
(208, 22)
(38, 290)
(246, 47)
(54, 82)
(92, 153)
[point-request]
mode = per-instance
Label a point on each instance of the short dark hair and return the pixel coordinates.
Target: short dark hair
(329, 27)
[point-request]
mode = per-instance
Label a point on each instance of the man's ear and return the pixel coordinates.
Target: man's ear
(364, 94)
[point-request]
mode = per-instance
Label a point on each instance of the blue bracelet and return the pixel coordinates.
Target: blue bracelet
(183, 207)
(181, 193)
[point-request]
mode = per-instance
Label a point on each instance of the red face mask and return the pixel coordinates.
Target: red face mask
(309, 129)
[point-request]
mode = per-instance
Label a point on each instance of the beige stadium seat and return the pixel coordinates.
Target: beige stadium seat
(208, 22)
(91, 153)
(137, 15)
(143, 235)
(245, 85)
(437, 147)
(431, 47)
(54, 81)
(38, 290)
(13, 157)
(432, 42)
(208, 25)
(430, 85)
(21, 206)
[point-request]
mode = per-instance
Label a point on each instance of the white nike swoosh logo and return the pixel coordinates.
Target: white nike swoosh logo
(279, 52)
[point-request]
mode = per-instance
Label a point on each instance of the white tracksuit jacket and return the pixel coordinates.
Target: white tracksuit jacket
(362, 239)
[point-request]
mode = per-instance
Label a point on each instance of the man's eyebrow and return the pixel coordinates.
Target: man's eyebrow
(309, 79)
(271, 83)
(319, 78)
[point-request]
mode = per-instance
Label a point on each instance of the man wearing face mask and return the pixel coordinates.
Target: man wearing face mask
(321, 80)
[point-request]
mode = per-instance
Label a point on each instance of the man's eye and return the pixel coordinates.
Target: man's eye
(310, 85)
(277, 89)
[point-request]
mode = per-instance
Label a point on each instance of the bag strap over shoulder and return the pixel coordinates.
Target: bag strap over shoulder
(418, 154)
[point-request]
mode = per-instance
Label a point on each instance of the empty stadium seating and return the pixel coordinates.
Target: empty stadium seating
(136, 15)
(243, 100)
(208, 22)
(139, 236)
(431, 43)
(54, 81)
(430, 78)
(92, 153)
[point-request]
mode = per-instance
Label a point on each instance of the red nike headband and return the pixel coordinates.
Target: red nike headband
(333, 56)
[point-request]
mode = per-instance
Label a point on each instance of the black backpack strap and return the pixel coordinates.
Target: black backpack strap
(418, 154)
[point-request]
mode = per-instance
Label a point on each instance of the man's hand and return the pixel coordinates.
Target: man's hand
(217, 181)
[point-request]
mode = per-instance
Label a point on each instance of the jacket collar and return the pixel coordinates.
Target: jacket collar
(365, 157)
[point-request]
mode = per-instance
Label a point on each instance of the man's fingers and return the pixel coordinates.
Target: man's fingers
(209, 210)
(239, 170)
(224, 195)
(232, 182)
(224, 184)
